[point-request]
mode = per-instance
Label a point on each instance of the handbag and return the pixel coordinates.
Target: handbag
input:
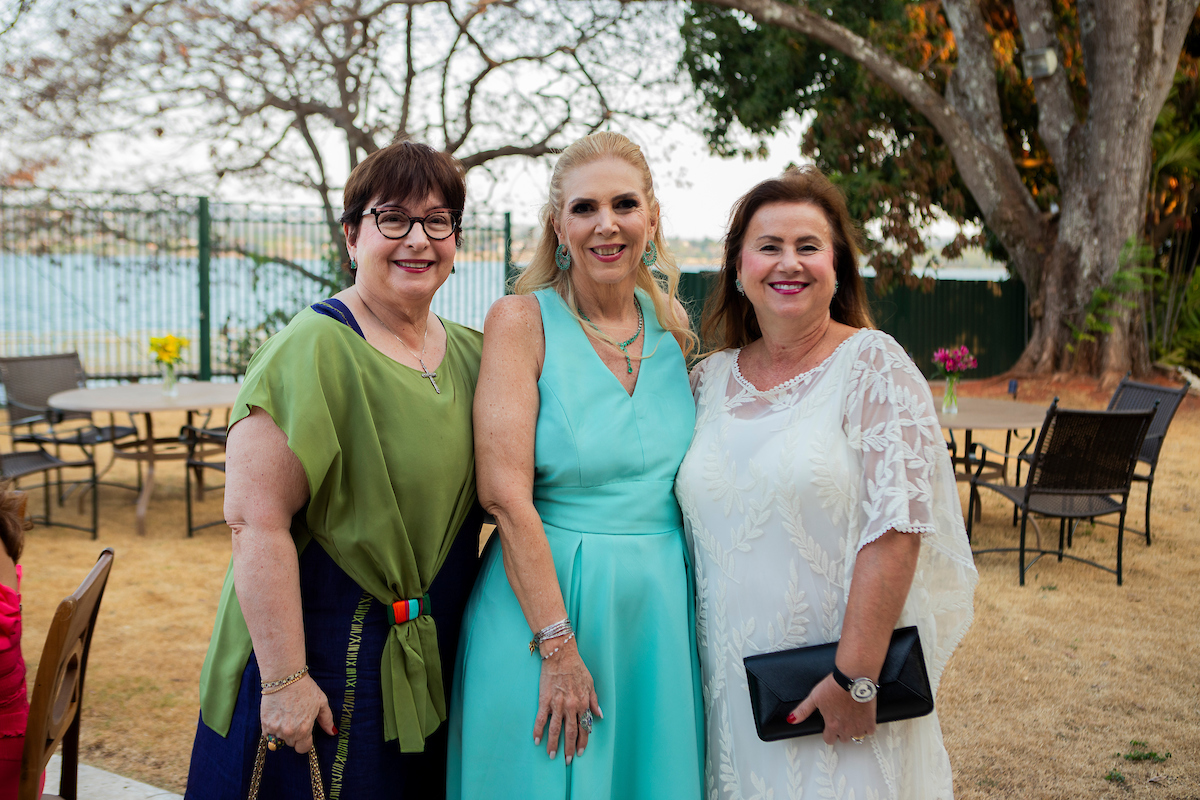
(314, 770)
(779, 681)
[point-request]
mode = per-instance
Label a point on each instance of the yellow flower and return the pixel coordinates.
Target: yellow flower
(168, 349)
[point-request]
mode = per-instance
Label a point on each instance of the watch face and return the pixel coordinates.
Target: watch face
(863, 690)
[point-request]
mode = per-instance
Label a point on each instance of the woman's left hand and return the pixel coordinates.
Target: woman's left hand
(846, 719)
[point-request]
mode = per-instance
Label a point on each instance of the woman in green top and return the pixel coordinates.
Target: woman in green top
(350, 473)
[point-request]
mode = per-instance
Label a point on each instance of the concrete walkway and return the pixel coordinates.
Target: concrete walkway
(96, 784)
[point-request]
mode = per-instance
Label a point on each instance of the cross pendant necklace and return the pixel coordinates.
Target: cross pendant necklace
(623, 346)
(425, 373)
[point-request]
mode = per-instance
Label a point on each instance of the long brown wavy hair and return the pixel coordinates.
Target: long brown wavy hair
(542, 272)
(729, 319)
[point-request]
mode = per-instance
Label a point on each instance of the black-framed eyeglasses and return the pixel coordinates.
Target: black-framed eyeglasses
(394, 224)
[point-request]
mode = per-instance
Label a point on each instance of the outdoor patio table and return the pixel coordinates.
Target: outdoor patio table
(988, 414)
(145, 399)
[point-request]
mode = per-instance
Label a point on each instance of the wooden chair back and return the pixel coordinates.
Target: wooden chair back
(57, 702)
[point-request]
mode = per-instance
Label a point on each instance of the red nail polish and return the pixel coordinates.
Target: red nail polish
(335, 730)
(791, 719)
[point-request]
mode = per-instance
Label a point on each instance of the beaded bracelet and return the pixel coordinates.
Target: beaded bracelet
(552, 631)
(560, 647)
(271, 687)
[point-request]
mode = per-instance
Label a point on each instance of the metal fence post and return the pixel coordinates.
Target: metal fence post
(205, 256)
(510, 270)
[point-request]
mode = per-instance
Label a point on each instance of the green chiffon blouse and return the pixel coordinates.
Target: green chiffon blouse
(391, 478)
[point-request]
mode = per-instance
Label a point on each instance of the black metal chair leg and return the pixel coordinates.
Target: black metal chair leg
(1021, 565)
(1062, 532)
(971, 500)
(1149, 486)
(1120, 545)
(95, 503)
(187, 493)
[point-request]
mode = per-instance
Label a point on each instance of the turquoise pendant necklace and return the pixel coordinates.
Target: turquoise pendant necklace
(625, 344)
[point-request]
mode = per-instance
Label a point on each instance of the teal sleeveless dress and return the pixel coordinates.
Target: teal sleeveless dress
(605, 465)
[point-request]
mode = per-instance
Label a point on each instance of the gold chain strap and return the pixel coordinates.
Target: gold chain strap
(314, 770)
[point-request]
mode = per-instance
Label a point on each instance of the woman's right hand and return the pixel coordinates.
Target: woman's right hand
(565, 692)
(289, 714)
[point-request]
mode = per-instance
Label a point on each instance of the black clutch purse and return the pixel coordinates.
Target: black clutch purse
(779, 681)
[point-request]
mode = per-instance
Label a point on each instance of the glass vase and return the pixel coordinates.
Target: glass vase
(950, 398)
(169, 384)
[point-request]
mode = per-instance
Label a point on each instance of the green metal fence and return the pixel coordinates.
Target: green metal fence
(987, 316)
(101, 273)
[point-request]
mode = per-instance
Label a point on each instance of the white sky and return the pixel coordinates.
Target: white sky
(695, 188)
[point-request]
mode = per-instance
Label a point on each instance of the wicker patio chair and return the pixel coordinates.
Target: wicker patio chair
(203, 444)
(23, 463)
(29, 382)
(55, 708)
(1134, 396)
(1082, 463)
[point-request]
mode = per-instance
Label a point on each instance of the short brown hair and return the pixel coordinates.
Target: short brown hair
(729, 319)
(404, 170)
(13, 523)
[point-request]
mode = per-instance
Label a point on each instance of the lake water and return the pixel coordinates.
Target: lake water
(107, 308)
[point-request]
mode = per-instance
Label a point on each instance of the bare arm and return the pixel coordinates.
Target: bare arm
(265, 487)
(883, 574)
(505, 417)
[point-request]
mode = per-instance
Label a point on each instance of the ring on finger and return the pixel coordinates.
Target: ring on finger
(273, 742)
(585, 720)
(857, 739)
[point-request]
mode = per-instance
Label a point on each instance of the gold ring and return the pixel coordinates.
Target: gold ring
(857, 739)
(272, 742)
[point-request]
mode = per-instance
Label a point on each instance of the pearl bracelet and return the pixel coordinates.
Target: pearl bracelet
(560, 647)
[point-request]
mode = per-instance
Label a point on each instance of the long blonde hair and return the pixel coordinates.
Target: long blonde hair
(543, 272)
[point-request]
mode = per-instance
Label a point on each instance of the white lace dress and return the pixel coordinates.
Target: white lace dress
(780, 490)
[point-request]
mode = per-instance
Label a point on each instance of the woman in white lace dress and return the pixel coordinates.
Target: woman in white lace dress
(820, 506)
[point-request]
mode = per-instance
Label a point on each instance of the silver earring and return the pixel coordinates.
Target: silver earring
(835, 286)
(353, 264)
(737, 284)
(562, 257)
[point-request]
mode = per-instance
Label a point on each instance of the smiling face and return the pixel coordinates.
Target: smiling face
(787, 263)
(605, 221)
(408, 269)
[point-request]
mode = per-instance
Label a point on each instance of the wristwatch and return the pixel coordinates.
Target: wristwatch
(862, 690)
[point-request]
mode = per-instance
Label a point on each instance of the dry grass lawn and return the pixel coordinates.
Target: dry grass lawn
(1042, 700)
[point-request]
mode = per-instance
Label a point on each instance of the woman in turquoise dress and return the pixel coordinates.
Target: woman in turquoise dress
(582, 417)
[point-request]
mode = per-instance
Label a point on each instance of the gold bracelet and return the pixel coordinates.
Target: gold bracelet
(271, 687)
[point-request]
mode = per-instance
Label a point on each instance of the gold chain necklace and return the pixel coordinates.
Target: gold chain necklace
(425, 373)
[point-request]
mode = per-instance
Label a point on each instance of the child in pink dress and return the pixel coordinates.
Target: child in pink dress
(14, 702)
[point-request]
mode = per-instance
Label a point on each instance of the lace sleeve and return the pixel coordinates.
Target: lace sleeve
(889, 419)
(908, 485)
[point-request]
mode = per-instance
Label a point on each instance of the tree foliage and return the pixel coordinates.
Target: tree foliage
(296, 92)
(891, 162)
(934, 117)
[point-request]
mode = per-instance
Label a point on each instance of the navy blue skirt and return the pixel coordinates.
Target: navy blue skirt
(367, 767)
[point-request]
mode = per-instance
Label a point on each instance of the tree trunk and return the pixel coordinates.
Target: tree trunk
(1130, 53)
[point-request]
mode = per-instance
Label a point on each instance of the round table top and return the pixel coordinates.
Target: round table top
(147, 397)
(989, 413)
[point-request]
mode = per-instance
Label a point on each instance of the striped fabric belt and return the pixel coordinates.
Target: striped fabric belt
(403, 611)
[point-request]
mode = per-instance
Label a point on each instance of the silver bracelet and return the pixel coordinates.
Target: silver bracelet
(553, 631)
(570, 636)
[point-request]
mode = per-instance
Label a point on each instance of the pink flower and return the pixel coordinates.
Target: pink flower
(955, 360)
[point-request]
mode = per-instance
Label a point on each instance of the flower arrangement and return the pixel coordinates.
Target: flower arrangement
(168, 351)
(953, 363)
